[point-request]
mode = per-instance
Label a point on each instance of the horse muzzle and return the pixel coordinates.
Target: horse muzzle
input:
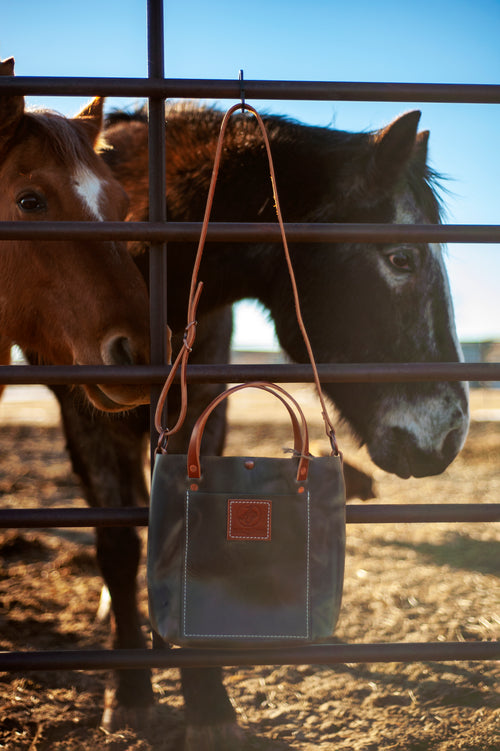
(420, 447)
(123, 351)
(401, 455)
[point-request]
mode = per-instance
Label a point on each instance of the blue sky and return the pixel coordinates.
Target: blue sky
(443, 41)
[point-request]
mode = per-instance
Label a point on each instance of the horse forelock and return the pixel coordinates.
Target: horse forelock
(59, 136)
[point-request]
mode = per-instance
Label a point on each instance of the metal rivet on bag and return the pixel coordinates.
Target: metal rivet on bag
(193, 486)
(249, 465)
(193, 468)
(300, 489)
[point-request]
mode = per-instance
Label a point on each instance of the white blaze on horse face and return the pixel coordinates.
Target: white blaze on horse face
(405, 212)
(89, 186)
(428, 420)
(438, 254)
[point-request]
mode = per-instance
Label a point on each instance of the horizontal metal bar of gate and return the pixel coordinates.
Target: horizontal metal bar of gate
(196, 88)
(252, 232)
(369, 513)
(315, 654)
(283, 373)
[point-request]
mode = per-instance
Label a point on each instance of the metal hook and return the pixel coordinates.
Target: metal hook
(242, 90)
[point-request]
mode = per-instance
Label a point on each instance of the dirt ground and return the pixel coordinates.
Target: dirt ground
(413, 582)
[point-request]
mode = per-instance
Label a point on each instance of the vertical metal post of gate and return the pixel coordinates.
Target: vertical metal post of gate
(157, 202)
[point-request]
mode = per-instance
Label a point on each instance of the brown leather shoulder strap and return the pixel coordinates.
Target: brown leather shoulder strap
(195, 289)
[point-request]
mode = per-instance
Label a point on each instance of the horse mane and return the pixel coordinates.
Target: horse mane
(116, 116)
(429, 190)
(58, 135)
(425, 183)
(197, 126)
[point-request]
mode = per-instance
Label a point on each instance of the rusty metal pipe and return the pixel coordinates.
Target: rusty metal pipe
(157, 206)
(199, 88)
(366, 513)
(322, 654)
(252, 232)
(285, 373)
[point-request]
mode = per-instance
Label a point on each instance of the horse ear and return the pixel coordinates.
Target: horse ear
(11, 107)
(91, 117)
(420, 150)
(393, 147)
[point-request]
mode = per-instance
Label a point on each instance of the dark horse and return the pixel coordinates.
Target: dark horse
(361, 303)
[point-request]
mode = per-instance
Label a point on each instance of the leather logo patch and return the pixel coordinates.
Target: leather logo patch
(248, 520)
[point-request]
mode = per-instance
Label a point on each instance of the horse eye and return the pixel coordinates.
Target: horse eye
(402, 260)
(30, 202)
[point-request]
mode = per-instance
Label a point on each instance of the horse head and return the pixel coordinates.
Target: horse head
(72, 301)
(386, 303)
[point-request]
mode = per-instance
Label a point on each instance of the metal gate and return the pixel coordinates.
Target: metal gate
(158, 231)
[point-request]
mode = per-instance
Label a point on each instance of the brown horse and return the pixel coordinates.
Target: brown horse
(69, 302)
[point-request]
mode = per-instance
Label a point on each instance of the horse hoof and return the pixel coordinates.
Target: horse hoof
(225, 737)
(116, 716)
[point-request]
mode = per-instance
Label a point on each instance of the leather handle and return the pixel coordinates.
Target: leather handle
(301, 433)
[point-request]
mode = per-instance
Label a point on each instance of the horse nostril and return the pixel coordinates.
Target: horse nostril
(453, 443)
(117, 350)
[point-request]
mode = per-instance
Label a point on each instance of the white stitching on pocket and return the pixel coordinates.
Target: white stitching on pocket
(247, 636)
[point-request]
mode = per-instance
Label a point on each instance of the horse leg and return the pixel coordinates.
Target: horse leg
(129, 695)
(5, 346)
(210, 717)
(106, 453)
